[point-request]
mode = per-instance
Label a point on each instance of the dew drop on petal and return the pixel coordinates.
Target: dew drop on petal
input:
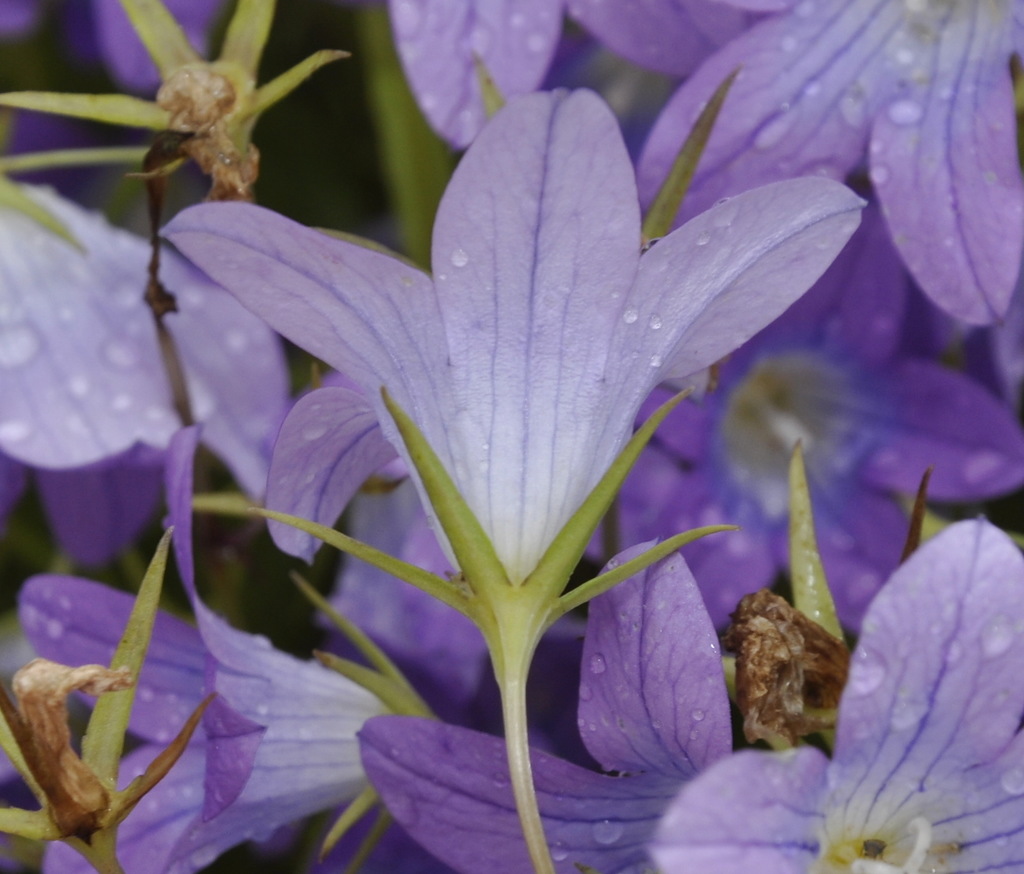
(536, 42)
(866, 674)
(15, 430)
(607, 831)
(654, 322)
(980, 466)
(1013, 781)
(879, 175)
(558, 852)
(54, 629)
(906, 714)
(772, 132)
(630, 316)
(586, 693)
(459, 258)
(655, 360)
(697, 715)
(314, 431)
(598, 664)
(997, 637)
(18, 345)
(905, 112)
(703, 238)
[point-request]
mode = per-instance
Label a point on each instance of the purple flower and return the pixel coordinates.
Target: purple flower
(652, 706)
(516, 40)
(86, 398)
(928, 769)
(921, 87)
(850, 371)
(525, 359)
(277, 744)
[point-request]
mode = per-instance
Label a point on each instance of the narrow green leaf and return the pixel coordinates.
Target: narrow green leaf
(415, 163)
(161, 34)
(380, 825)
(104, 739)
(492, 96)
(565, 551)
(601, 584)
(362, 804)
(32, 161)
(279, 88)
(811, 594)
(473, 549)
(109, 108)
(13, 196)
(442, 589)
(663, 211)
(34, 824)
(398, 697)
(223, 504)
(133, 793)
(247, 34)
(357, 637)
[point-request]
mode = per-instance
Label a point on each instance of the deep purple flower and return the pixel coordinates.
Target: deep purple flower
(921, 88)
(516, 40)
(525, 359)
(928, 769)
(86, 395)
(852, 372)
(653, 707)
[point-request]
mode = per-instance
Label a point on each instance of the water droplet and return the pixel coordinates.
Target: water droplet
(905, 112)
(480, 40)
(697, 715)
(121, 354)
(1013, 781)
(145, 693)
(703, 238)
(981, 465)
(630, 316)
(907, 713)
(866, 674)
(500, 780)
(997, 637)
(536, 42)
(879, 175)
(586, 693)
(654, 322)
(607, 831)
(120, 402)
(598, 664)
(78, 385)
(314, 431)
(236, 340)
(773, 130)
(54, 628)
(558, 852)
(459, 258)
(18, 345)
(655, 360)
(14, 430)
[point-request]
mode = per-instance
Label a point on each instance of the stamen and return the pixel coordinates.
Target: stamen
(922, 831)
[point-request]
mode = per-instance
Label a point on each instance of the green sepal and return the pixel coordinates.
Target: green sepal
(356, 636)
(103, 742)
(362, 804)
(442, 589)
(126, 799)
(473, 549)
(161, 34)
(280, 87)
(109, 108)
(489, 91)
(414, 161)
(247, 34)
(811, 594)
(665, 208)
(100, 851)
(397, 695)
(34, 824)
(564, 553)
(13, 196)
(32, 161)
(601, 584)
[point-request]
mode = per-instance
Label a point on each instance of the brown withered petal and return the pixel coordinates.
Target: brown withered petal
(787, 667)
(75, 795)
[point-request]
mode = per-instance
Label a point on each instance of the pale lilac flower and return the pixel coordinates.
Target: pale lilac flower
(928, 769)
(526, 358)
(86, 399)
(853, 371)
(920, 89)
(652, 707)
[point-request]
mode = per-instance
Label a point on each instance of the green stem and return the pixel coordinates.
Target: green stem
(519, 626)
(72, 158)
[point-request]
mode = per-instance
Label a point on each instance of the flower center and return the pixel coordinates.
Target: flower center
(782, 400)
(887, 854)
(921, 831)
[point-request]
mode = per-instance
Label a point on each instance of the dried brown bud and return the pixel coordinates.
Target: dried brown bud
(76, 796)
(787, 667)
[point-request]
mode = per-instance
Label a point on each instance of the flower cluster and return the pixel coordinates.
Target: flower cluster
(630, 452)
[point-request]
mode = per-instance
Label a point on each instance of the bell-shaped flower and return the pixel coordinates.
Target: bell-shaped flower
(928, 768)
(525, 358)
(919, 89)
